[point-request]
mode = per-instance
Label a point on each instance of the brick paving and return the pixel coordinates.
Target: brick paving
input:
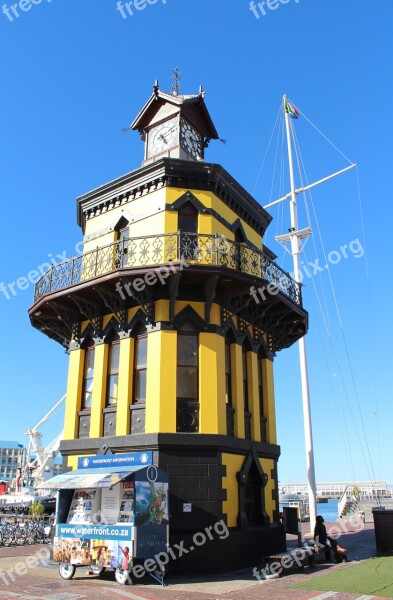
(44, 583)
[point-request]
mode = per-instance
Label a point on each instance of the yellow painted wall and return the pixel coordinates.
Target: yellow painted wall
(199, 307)
(99, 390)
(74, 394)
(161, 382)
(270, 505)
(140, 208)
(269, 401)
(212, 224)
(230, 506)
(212, 407)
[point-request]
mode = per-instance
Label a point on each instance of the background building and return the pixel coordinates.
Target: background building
(11, 457)
(172, 317)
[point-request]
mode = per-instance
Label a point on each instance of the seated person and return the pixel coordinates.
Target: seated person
(321, 537)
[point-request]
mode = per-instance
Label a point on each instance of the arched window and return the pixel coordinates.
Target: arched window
(112, 384)
(122, 236)
(188, 219)
(188, 227)
(88, 375)
(140, 366)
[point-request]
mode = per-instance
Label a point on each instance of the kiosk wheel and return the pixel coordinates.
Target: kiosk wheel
(160, 573)
(122, 576)
(97, 571)
(66, 571)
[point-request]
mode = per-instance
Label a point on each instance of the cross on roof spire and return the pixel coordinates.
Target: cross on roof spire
(176, 81)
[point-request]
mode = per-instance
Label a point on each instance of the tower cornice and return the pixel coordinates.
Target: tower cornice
(174, 173)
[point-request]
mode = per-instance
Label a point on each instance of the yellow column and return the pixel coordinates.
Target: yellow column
(269, 401)
(74, 394)
(99, 389)
(253, 399)
(161, 382)
(237, 389)
(212, 413)
(126, 374)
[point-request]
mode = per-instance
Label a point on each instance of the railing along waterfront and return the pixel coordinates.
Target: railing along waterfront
(154, 250)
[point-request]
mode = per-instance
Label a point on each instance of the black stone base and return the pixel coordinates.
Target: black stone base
(239, 550)
(195, 467)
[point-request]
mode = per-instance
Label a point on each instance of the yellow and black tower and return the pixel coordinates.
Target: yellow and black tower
(170, 343)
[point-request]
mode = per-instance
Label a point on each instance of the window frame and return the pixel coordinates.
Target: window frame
(112, 373)
(187, 330)
(246, 399)
(89, 351)
(228, 374)
(142, 335)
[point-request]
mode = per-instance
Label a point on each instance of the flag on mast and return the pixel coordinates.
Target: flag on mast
(291, 110)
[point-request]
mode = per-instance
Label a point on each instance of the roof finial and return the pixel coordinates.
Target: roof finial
(176, 81)
(156, 87)
(201, 91)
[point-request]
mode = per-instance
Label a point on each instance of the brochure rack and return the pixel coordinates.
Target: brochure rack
(112, 513)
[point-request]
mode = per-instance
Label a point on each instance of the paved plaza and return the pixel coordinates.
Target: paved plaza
(44, 583)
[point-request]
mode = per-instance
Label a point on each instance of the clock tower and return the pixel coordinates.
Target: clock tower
(172, 317)
(175, 126)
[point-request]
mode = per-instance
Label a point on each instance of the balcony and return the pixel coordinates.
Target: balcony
(155, 250)
(202, 268)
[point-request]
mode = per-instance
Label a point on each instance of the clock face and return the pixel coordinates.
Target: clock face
(162, 138)
(191, 140)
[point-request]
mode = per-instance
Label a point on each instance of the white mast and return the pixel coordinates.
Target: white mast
(295, 236)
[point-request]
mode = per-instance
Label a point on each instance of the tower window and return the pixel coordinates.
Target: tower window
(228, 382)
(113, 373)
(245, 380)
(188, 219)
(88, 373)
(140, 367)
(187, 364)
(260, 388)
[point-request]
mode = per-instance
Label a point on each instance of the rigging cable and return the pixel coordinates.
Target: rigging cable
(339, 317)
(301, 169)
(267, 150)
(370, 313)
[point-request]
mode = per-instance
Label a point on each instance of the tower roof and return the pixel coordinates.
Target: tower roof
(193, 107)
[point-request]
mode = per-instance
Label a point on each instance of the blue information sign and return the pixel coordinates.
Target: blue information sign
(136, 459)
(96, 532)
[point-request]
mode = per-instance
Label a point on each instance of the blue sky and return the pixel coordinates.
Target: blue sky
(74, 73)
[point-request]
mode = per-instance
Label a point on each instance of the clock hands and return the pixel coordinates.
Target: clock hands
(162, 135)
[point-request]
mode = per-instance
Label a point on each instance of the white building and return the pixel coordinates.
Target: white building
(11, 457)
(368, 489)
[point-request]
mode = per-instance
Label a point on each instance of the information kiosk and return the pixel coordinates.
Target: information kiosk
(112, 513)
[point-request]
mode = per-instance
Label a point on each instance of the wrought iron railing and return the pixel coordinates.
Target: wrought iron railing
(154, 250)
